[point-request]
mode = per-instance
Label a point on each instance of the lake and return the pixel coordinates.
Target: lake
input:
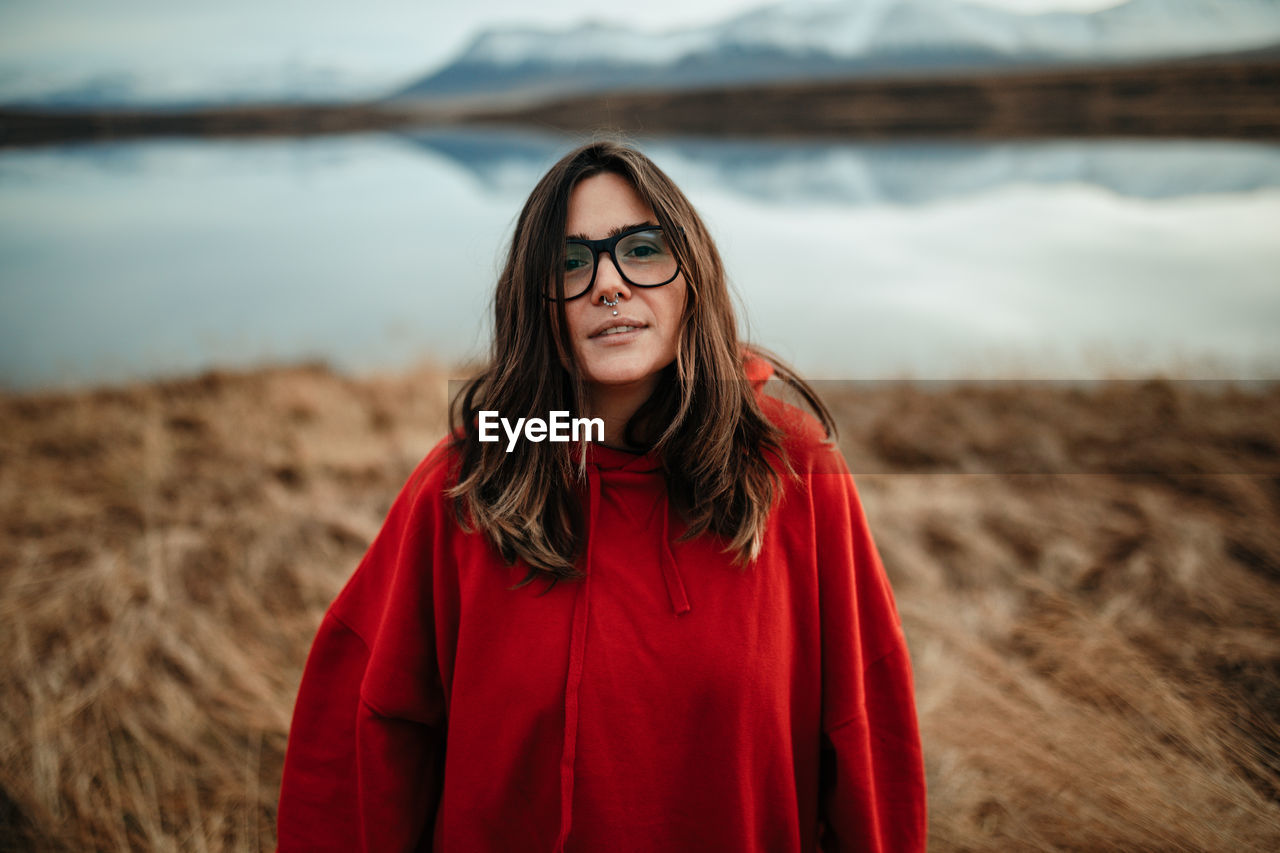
(1059, 259)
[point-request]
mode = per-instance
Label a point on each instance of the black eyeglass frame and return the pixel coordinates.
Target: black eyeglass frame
(610, 244)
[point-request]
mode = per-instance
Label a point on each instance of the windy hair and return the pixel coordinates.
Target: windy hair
(703, 420)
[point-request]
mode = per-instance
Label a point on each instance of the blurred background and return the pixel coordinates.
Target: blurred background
(244, 245)
(900, 187)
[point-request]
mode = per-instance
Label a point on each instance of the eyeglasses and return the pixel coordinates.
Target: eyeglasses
(640, 255)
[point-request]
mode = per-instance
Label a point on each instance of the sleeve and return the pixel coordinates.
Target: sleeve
(364, 762)
(871, 784)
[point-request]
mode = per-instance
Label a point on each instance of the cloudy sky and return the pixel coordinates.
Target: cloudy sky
(371, 42)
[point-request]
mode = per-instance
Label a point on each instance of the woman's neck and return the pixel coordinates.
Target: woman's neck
(615, 404)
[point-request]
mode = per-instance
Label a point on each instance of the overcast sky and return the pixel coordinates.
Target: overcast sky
(375, 40)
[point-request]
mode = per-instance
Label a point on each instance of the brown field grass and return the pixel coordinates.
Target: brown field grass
(1096, 642)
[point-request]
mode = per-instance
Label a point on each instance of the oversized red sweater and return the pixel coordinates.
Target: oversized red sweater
(670, 701)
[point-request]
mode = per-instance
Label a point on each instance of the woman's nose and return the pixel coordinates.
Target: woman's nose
(609, 279)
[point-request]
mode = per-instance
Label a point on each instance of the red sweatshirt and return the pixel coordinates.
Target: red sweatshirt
(669, 701)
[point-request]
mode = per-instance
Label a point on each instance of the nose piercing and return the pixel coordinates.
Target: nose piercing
(606, 301)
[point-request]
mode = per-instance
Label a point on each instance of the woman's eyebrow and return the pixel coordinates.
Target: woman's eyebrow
(614, 232)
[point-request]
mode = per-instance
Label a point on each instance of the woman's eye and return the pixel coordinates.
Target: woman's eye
(576, 259)
(644, 250)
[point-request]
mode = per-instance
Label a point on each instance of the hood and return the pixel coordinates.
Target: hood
(607, 463)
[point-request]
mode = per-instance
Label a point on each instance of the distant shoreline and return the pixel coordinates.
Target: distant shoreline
(1203, 99)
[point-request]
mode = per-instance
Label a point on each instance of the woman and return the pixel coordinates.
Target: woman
(677, 638)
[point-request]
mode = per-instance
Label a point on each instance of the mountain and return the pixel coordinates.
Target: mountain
(794, 40)
(805, 40)
(286, 83)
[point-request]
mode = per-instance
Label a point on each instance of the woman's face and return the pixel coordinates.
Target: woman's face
(601, 206)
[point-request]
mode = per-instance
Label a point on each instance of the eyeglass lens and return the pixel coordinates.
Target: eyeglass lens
(642, 257)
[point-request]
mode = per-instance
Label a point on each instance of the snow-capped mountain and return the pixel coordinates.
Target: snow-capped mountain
(793, 40)
(796, 39)
(195, 87)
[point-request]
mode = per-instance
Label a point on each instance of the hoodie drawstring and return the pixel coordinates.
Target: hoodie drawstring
(578, 637)
(670, 570)
(577, 648)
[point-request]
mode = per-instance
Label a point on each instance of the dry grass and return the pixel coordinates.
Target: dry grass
(1097, 655)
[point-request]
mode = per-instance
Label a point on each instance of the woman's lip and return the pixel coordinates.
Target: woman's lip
(617, 337)
(615, 322)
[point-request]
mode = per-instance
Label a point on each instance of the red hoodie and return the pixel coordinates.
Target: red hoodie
(669, 701)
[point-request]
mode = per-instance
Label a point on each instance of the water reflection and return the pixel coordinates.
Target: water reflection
(1061, 259)
(897, 173)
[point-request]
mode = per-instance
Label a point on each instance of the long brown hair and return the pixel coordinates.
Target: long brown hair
(716, 441)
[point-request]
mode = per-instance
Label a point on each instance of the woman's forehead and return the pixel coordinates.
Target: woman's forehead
(605, 204)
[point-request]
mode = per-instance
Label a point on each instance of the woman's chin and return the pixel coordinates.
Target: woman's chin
(620, 379)
(619, 376)
(620, 368)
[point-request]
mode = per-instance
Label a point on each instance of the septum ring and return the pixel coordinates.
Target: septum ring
(614, 303)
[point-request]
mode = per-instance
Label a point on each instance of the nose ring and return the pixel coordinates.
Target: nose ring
(614, 303)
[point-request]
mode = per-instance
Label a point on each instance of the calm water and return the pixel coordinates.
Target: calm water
(1047, 259)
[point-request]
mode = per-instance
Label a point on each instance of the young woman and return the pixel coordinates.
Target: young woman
(679, 637)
